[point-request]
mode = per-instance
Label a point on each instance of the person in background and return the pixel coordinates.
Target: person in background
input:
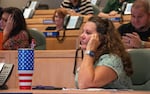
(58, 18)
(136, 34)
(0, 17)
(113, 8)
(104, 64)
(15, 33)
(83, 7)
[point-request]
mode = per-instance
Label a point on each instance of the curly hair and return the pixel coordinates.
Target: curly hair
(111, 42)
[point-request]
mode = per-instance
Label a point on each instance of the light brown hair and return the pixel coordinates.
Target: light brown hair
(145, 4)
(62, 12)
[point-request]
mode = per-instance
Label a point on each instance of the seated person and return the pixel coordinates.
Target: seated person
(113, 8)
(136, 34)
(104, 64)
(0, 16)
(15, 34)
(58, 18)
(83, 7)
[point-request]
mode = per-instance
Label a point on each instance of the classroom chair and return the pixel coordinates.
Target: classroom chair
(141, 66)
(39, 38)
(96, 9)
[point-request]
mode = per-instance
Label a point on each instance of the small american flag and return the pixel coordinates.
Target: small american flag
(25, 79)
(25, 67)
(25, 59)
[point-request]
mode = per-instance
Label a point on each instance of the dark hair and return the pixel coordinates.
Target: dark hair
(19, 21)
(1, 9)
(111, 42)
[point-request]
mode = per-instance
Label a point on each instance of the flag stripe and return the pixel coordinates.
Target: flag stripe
(25, 77)
(25, 74)
(25, 83)
(25, 80)
(25, 71)
(25, 87)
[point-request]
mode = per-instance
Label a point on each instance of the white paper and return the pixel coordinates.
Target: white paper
(28, 13)
(33, 4)
(128, 8)
(72, 22)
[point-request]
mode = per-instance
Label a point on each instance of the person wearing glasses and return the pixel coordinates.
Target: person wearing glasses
(105, 64)
(136, 34)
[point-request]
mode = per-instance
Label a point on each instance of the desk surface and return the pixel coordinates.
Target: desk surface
(75, 91)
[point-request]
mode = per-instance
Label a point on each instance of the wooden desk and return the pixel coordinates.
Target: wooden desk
(71, 41)
(40, 15)
(44, 13)
(38, 23)
(74, 91)
(52, 67)
(71, 38)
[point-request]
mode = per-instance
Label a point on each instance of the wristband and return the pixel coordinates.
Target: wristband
(90, 53)
(142, 44)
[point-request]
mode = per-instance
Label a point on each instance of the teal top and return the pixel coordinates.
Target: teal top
(115, 63)
(114, 5)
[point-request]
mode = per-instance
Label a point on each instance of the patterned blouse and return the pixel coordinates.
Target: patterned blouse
(21, 40)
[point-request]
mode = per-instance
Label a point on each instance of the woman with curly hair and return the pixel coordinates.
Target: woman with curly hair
(106, 64)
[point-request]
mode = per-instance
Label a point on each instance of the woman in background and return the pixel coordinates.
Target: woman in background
(106, 64)
(15, 33)
(58, 18)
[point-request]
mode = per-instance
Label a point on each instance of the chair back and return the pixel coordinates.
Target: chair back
(39, 38)
(141, 66)
(96, 9)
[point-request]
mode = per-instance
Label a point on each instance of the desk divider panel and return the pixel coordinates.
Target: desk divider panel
(52, 68)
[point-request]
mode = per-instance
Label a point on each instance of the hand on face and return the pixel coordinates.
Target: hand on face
(93, 43)
(9, 24)
(131, 40)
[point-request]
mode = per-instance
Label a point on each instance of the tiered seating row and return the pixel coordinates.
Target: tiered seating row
(70, 42)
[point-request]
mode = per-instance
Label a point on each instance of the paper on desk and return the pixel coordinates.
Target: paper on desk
(97, 89)
(1, 66)
(90, 89)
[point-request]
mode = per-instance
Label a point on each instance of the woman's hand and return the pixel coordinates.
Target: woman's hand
(9, 24)
(8, 28)
(93, 43)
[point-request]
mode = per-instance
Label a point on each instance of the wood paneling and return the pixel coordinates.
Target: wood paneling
(51, 67)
